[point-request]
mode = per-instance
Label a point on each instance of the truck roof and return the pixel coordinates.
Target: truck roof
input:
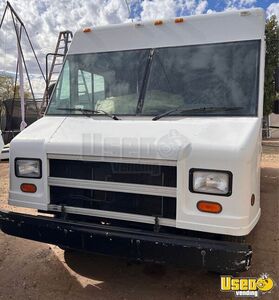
(193, 30)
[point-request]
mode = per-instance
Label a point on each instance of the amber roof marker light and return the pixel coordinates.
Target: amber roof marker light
(158, 22)
(86, 30)
(179, 20)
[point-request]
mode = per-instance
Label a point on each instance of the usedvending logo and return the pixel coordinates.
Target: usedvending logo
(247, 286)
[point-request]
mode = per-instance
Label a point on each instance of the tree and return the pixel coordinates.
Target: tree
(8, 89)
(271, 62)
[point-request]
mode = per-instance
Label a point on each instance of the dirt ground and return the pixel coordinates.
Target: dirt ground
(31, 270)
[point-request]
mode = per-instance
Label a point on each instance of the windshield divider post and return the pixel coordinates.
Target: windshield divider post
(145, 82)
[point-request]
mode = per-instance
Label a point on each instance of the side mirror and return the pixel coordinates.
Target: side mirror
(50, 90)
(276, 107)
(277, 80)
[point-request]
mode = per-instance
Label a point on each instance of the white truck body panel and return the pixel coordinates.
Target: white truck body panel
(218, 143)
(202, 29)
(197, 143)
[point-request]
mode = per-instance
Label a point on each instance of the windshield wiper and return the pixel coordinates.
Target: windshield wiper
(200, 109)
(90, 112)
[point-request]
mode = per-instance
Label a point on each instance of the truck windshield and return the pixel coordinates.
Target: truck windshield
(152, 81)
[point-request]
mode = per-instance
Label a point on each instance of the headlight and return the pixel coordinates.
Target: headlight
(211, 182)
(28, 168)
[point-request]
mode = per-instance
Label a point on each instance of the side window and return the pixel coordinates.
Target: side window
(61, 96)
(77, 88)
(91, 89)
(99, 87)
(62, 92)
(84, 87)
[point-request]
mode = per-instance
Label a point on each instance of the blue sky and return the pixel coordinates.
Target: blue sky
(209, 6)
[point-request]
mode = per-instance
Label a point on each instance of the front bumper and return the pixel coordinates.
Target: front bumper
(213, 255)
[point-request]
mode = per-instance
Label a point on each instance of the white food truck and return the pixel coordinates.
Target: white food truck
(150, 146)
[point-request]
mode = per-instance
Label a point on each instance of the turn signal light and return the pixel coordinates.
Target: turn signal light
(28, 188)
(158, 22)
(210, 207)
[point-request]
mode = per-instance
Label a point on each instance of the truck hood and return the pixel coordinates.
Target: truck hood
(164, 139)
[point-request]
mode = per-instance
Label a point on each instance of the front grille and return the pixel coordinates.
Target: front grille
(114, 172)
(113, 201)
(139, 202)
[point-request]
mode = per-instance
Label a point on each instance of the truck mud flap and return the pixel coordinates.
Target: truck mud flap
(214, 255)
